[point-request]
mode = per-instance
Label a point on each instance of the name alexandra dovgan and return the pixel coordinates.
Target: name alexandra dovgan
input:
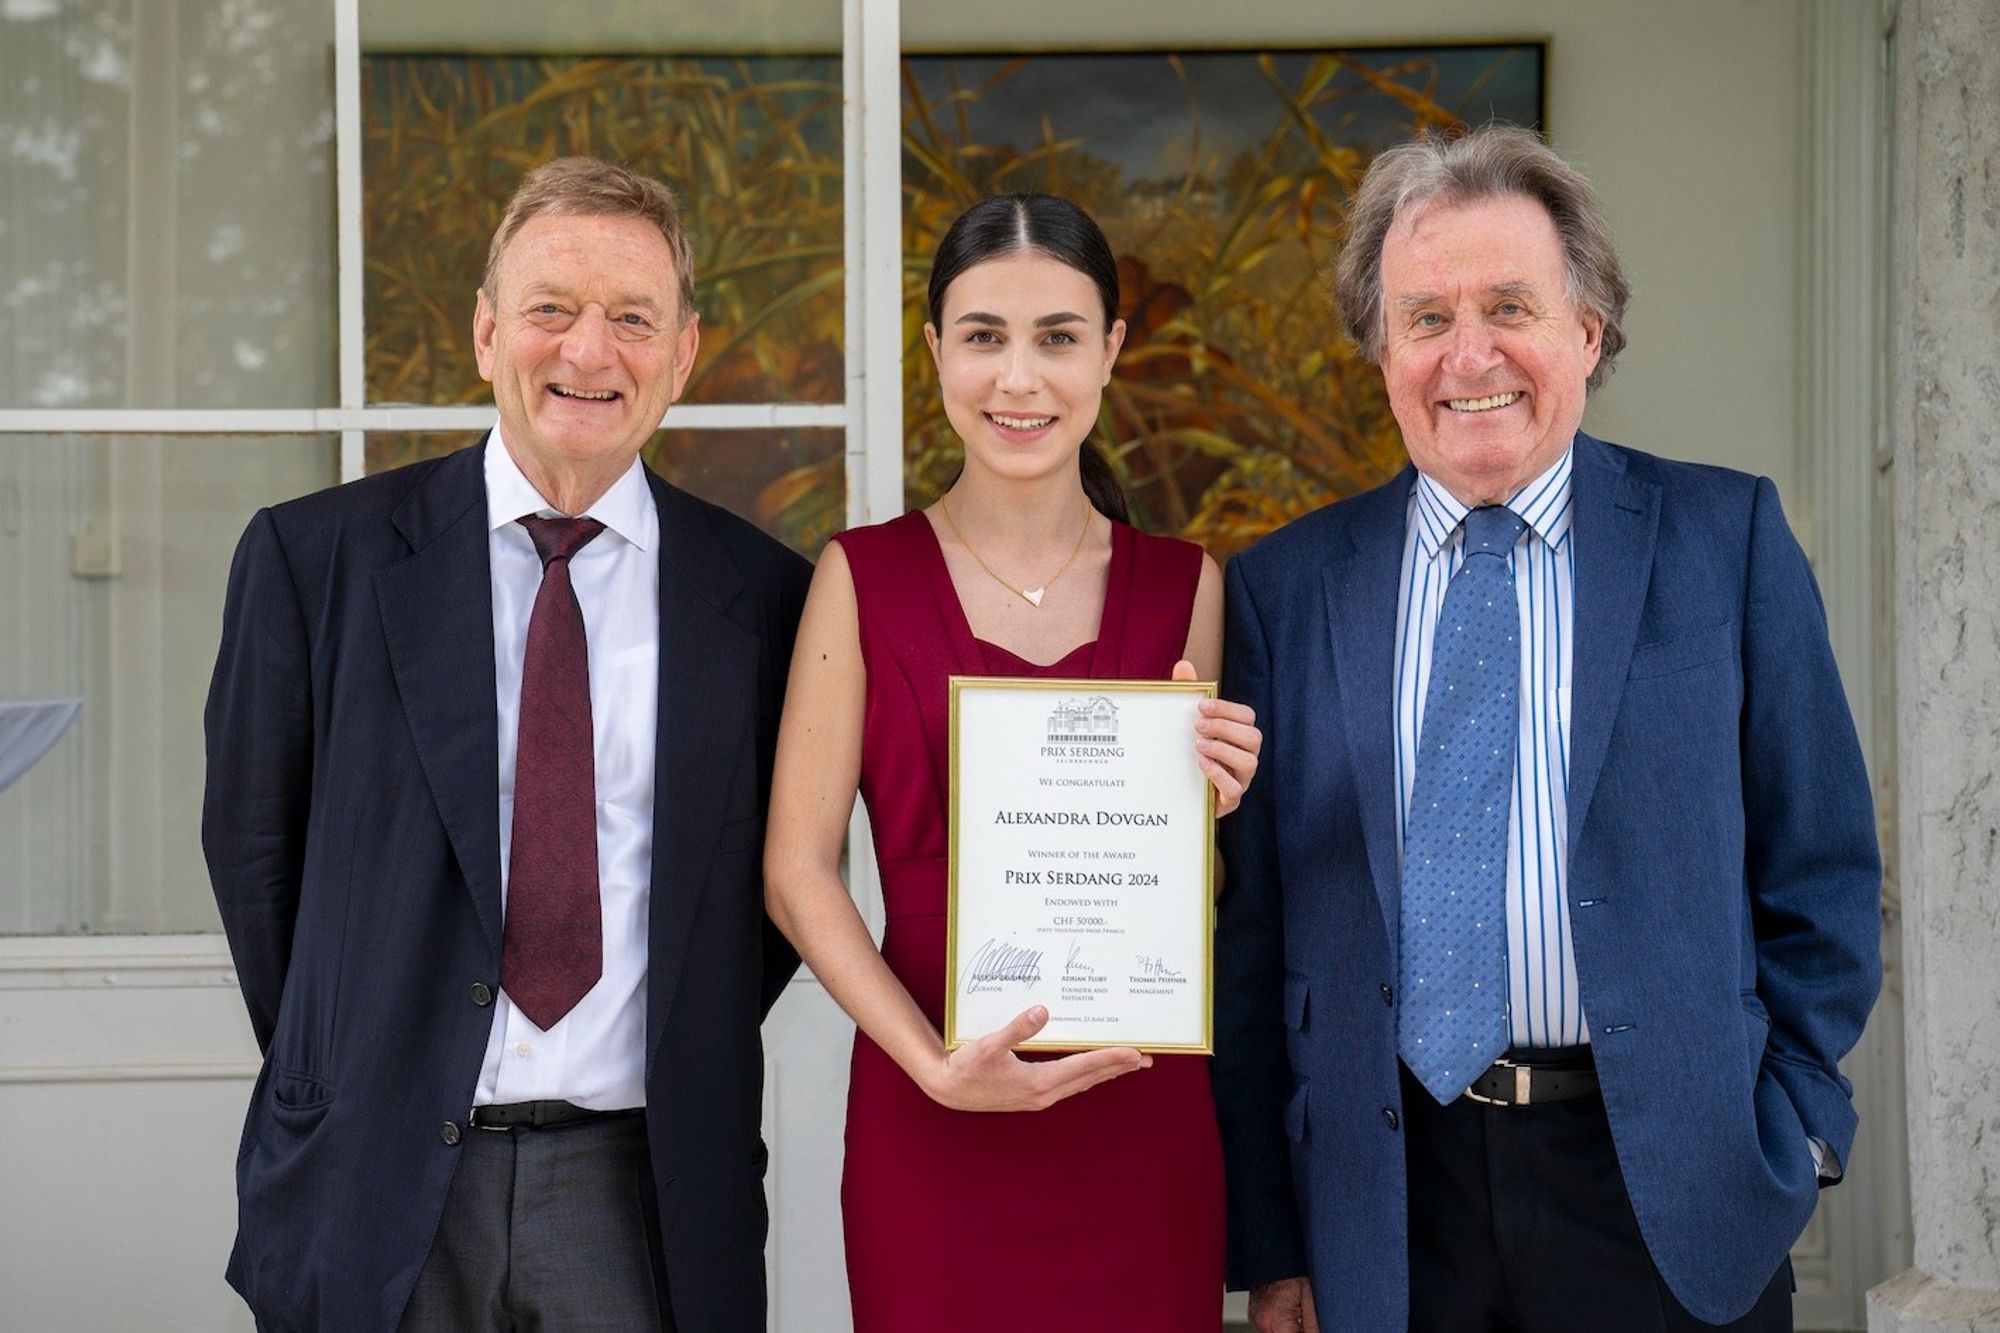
(1084, 818)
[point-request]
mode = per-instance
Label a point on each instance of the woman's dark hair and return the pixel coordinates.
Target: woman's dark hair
(1042, 224)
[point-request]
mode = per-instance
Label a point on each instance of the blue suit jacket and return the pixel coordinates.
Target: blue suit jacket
(1723, 884)
(351, 825)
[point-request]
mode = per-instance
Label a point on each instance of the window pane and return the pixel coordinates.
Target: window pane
(792, 482)
(166, 204)
(1221, 180)
(751, 143)
(114, 554)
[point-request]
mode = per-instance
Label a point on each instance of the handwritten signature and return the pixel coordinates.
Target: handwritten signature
(1074, 968)
(1006, 962)
(1149, 966)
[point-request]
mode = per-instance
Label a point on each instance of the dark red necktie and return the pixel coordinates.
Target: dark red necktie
(552, 946)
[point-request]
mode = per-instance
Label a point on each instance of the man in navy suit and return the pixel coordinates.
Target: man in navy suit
(1556, 906)
(489, 745)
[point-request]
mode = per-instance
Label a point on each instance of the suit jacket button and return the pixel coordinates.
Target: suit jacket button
(449, 1134)
(1389, 1117)
(482, 994)
(1388, 994)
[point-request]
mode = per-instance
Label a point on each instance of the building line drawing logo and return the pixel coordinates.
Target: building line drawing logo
(1092, 721)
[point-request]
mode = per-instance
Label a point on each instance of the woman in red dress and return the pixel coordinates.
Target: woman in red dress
(983, 1191)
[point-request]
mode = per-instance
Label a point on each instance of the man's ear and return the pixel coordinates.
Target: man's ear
(484, 328)
(686, 343)
(1593, 338)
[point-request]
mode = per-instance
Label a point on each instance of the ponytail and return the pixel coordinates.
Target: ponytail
(1100, 483)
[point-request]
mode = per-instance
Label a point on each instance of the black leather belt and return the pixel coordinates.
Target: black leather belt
(539, 1115)
(1529, 1078)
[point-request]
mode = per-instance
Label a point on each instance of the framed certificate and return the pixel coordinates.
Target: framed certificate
(1082, 863)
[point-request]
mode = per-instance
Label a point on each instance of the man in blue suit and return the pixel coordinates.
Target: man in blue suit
(1556, 906)
(489, 746)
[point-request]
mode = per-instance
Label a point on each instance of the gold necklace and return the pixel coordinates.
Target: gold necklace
(1032, 596)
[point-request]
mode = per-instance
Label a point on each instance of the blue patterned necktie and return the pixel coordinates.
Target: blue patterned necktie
(1453, 964)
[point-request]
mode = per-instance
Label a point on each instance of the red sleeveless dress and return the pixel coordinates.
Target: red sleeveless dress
(1103, 1212)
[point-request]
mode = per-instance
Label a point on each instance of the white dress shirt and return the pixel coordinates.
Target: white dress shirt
(595, 1055)
(1543, 1008)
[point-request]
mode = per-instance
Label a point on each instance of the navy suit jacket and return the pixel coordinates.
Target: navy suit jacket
(351, 824)
(1723, 883)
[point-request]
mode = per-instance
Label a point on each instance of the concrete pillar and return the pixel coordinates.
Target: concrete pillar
(1946, 421)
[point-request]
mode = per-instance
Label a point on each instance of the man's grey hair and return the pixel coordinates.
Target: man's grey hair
(588, 187)
(1488, 163)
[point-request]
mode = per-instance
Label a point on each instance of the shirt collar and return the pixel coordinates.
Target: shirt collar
(1543, 504)
(626, 509)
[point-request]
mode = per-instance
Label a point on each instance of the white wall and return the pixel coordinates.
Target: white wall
(125, 1069)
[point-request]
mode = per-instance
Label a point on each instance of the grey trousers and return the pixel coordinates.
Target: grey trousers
(544, 1231)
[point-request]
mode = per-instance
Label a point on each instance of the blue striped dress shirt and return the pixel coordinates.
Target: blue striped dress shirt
(1543, 1007)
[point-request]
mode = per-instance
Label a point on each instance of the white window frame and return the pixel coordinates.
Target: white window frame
(870, 151)
(870, 416)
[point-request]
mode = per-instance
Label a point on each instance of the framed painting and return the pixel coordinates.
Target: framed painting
(1221, 179)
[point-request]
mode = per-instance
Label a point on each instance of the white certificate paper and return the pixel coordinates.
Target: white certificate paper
(1082, 855)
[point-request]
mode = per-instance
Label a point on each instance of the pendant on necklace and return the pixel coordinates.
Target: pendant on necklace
(1034, 595)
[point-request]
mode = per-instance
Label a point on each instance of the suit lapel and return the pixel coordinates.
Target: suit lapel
(708, 675)
(1361, 587)
(1615, 523)
(436, 608)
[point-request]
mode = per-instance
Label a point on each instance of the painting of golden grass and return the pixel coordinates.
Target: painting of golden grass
(1220, 177)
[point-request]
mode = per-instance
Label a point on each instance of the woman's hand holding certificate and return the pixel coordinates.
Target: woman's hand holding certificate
(1226, 745)
(985, 1075)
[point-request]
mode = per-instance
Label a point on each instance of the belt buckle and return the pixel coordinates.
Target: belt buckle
(1523, 1085)
(472, 1118)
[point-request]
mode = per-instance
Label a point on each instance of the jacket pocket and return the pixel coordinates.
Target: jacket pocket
(297, 1099)
(1756, 1029)
(1296, 990)
(1683, 652)
(1295, 1113)
(1294, 1010)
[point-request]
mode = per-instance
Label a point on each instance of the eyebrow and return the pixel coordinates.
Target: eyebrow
(539, 290)
(1418, 300)
(994, 321)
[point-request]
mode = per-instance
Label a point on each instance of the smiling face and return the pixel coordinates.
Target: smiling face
(1023, 357)
(1484, 353)
(583, 341)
